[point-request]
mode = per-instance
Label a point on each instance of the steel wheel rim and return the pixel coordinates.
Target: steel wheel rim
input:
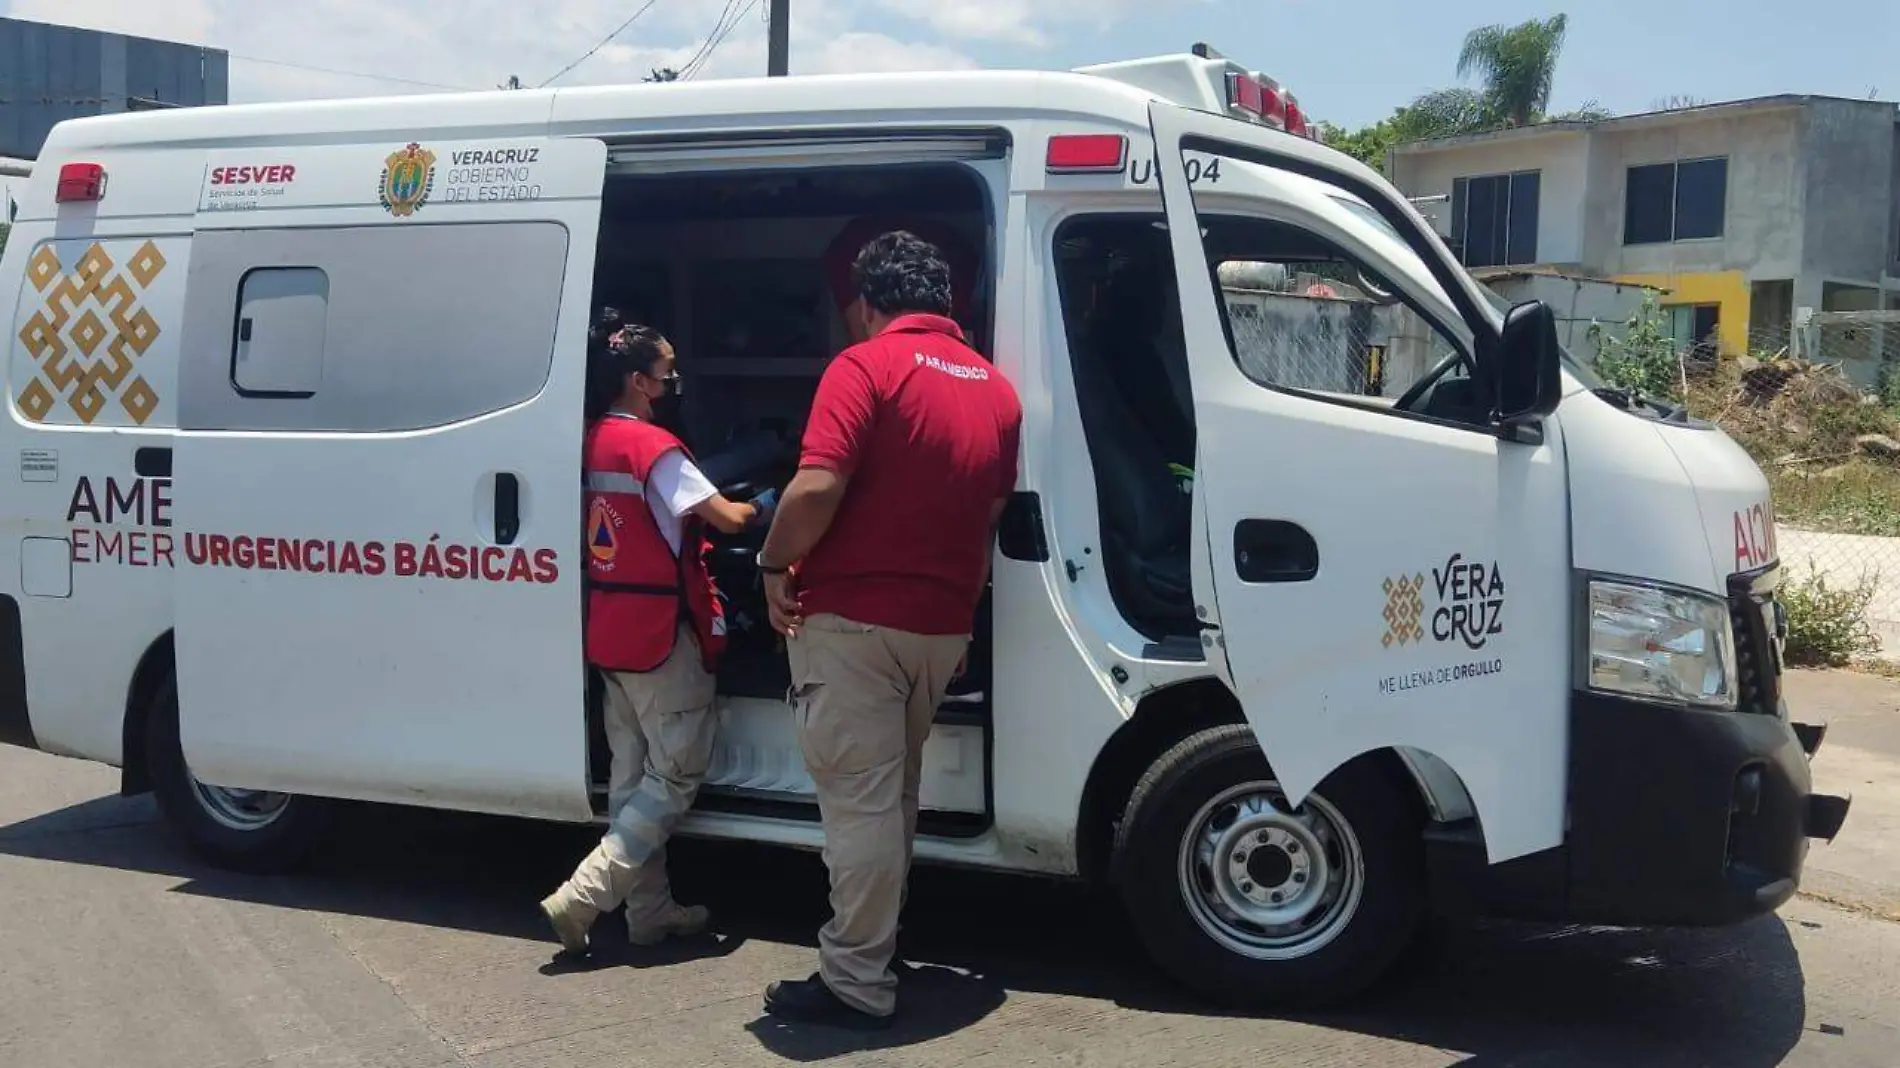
(241, 810)
(1268, 881)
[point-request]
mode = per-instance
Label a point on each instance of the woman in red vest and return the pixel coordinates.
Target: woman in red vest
(654, 629)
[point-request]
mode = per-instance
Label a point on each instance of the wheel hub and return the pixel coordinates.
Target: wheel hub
(241, 810)
(1269, 865)
(1268, 880)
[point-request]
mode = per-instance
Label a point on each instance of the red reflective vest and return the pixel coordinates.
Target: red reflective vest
(638, 590)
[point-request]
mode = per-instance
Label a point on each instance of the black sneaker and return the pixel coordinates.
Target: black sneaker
(811, 1001)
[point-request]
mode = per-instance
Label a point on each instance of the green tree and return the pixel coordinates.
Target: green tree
(1368, 144)
(1446, 113)
(1517, 65)
(662, 74)
(1442, 113)
(1591, 111)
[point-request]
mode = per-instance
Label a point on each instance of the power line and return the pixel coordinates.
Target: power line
(346, 73)
(713, 43)
(699, 54)
(604, 41)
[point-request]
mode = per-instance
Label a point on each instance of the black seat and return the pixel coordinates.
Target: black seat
(1146, 514)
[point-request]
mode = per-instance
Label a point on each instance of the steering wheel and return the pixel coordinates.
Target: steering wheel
(1424, 385)
(744, 545)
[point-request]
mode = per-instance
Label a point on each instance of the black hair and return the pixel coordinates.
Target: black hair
(899, 272)
(607, 319)
(612, 357)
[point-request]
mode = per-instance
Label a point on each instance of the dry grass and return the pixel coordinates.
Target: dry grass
(1800, 422)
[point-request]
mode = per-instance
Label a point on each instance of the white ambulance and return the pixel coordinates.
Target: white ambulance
(295, 396)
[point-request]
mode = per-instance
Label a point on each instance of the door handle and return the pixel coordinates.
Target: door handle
(1274, 550)
(507, 508)
(152, 461)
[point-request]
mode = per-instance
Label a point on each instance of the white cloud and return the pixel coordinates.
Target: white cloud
(875, 52)
(1024, 22)
(479, 43)
(999, 20)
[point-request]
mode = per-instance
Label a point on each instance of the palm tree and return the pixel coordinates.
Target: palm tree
(1516, 65)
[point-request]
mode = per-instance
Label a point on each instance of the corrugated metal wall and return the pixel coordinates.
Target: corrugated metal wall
(49, 74)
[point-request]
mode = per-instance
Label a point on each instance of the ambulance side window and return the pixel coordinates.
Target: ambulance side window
(282, 320)
(1305, 318)
(368, 329)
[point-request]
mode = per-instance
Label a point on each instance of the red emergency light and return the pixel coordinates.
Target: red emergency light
(1276, 107)
(80, 182)
(1262, 100)
(1086, 154)
(1246, 93)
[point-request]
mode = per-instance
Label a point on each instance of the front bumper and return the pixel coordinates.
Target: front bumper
(1677, 817)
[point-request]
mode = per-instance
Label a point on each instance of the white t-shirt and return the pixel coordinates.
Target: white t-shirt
(675, 486)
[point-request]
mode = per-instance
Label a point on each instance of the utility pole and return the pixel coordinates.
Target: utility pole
(779, 39)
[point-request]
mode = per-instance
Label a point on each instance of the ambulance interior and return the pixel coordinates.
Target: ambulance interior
(730, 266)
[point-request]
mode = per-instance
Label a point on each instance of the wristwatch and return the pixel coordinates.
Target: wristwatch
(765, 568)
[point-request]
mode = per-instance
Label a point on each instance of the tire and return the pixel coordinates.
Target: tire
(1350, 906)
(272, 833)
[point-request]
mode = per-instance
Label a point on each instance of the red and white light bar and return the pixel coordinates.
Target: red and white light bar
(1259, 98)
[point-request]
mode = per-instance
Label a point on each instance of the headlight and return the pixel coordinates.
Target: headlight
(1661, 645)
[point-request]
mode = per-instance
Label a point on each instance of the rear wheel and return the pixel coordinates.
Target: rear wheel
(245, 830)
(1252, 901)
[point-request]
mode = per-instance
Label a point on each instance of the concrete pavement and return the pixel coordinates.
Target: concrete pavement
(415, 944)
(1861, 758)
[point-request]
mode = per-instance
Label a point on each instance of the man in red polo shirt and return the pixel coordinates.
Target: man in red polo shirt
(874, 566)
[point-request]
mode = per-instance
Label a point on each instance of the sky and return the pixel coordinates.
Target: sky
(1349, 63)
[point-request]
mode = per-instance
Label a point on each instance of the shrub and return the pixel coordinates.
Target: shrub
(1643, 359)
(1827, 626)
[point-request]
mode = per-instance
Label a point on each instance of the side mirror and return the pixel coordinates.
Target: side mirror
(1530, 373)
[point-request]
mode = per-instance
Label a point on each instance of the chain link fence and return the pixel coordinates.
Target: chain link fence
(1818, 406)
(1297, 329)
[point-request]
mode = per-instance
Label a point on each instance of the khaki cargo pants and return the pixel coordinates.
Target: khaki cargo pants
(660, 729)
(864, 698)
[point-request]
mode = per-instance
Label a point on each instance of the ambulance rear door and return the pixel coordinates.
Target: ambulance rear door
(377, 473)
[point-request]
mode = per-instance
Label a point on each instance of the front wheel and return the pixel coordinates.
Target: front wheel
(245, 830)
(1254, 902)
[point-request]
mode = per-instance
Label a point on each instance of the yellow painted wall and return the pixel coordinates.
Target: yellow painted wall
(1726, 288)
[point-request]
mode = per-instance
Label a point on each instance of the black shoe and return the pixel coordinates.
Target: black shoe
(811, 1001)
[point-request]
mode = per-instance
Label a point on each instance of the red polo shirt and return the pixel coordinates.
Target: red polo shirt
(927, 432)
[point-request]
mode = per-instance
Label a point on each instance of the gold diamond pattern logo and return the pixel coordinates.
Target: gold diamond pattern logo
(1404, 610)
(87, 334)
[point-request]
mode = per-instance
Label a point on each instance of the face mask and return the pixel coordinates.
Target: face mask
(666, 411)
(669, 387)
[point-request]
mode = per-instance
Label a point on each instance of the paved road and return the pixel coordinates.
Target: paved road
(415, 944)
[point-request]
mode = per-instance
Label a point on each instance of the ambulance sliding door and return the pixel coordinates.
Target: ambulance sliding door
(378, 475)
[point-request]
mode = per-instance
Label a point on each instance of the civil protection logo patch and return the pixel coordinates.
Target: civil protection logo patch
(408, 179)
(603, 533)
